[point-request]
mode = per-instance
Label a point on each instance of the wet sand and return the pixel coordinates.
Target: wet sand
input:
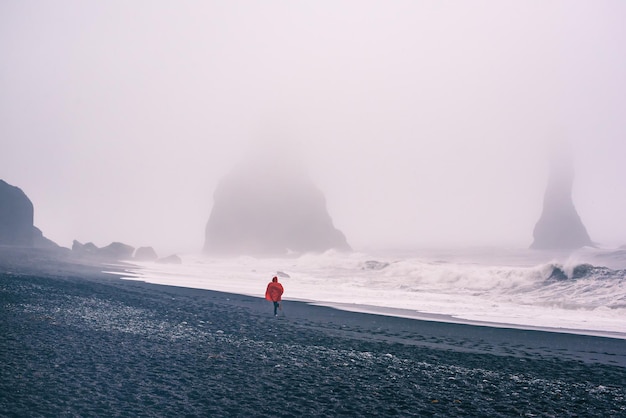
(76, 342)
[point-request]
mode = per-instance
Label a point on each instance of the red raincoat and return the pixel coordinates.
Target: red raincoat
(274, 291)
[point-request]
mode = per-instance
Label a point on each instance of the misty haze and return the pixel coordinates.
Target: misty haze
(423, 124)
(438, 187)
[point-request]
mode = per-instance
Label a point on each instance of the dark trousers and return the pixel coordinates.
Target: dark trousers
(276, 305)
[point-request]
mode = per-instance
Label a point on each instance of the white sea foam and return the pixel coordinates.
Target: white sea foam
(511, 288)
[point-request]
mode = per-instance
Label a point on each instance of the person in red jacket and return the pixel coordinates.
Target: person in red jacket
(274, 293)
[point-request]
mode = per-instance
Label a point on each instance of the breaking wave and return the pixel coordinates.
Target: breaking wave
(583, 271)
(574, 293)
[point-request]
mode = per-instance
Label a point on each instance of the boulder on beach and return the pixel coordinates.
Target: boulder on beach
(270, 208)
(16, 220)
(560, 226)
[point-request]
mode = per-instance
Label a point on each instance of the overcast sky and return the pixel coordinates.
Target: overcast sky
(424, 123)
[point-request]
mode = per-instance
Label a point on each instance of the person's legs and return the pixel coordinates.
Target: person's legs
(275, 308)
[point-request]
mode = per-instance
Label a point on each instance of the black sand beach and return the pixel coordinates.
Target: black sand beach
(76, 342)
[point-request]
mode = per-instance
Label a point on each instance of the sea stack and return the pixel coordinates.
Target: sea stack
(560, 227)
(270, 207)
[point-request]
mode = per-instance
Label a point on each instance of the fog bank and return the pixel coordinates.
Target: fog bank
(423, 123)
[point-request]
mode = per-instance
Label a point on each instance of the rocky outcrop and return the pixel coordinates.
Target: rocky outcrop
(172, 259)
(270, 208)
(84, 249)
(16, 220)
(117, 251)
(145, 254)
(560, 226)
(16, 216)
(39, 241)
(113, 251)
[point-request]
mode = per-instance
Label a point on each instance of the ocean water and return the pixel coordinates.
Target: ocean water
(579, 292)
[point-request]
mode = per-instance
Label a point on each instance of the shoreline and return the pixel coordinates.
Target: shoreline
(464, 336)
(398, 312)
(425, 316)
(515, 310)
(79, 342)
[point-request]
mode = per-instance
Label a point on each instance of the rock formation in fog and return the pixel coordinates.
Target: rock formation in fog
(559, 226)
(117, 251)
(171, 259)
(145, 254)
(270, 208)
(113, 251)
(16, 219)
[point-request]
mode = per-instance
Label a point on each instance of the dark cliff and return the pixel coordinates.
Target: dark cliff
(16, 216)
(16, 220)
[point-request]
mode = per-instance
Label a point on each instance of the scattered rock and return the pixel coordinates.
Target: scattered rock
(117, 251)
(113, 251)
(172, 259)
(84, 249)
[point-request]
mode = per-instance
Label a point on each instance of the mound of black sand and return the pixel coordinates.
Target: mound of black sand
(84, 344)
